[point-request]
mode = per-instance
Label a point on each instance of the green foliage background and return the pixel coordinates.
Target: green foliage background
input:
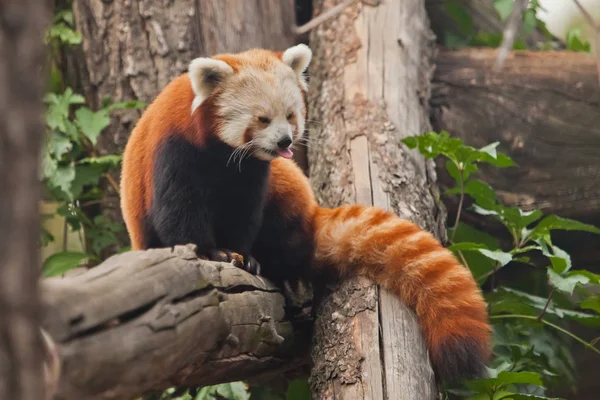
(532, 341)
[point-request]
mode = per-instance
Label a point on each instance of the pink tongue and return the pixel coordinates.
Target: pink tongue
(285, 153)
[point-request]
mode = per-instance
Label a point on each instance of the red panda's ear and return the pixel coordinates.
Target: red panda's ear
(298, 58)
(206, 74)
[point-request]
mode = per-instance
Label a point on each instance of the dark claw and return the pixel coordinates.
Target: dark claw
(251, 265)
(247, 262)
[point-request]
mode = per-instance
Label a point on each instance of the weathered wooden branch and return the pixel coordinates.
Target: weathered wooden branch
(149, 320)
(369, 88)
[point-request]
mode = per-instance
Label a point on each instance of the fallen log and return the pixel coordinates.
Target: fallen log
(150, 320)
(543, 108)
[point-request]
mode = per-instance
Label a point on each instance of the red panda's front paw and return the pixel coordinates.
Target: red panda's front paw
(224, 255)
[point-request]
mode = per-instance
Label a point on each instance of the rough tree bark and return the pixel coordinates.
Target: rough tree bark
(132, 49)
(22, 23)
(150, 320)
(369, 88)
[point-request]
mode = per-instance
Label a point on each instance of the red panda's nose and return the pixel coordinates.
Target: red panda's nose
(284, 142)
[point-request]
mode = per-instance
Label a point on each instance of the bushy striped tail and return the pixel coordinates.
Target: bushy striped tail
(414, 265)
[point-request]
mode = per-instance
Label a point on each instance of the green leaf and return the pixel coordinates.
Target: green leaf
(229, 391)
(594, 278)
(504, 8)
(105, 162)
(59, 263)
(481, 192)
(84, 175)
(591, 304)
(126, 105)
(58, 145)
(520, 396)
(479, 264)
(92, 123)
(532, 378)
(298, 389)
(553, 222)
(506, 300)
(575, 42)
(529, 22)
(63, 178)
(566, 284)
(504, 379)
(501, 257)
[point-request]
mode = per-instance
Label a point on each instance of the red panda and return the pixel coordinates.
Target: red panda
(209, 163)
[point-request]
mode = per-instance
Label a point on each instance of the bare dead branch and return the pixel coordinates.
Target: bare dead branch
(511, 30)
(596, 29)
(332, 12)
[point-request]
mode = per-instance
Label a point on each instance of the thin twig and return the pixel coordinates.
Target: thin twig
(596, 28)
(332, 12)
(460, 205)
(512, 28)
(539, 317)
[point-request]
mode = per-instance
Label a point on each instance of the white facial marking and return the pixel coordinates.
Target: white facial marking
(206, 75)
(254, 93)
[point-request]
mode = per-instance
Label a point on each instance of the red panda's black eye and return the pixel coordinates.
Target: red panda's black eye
(290, 116)
(264, 120)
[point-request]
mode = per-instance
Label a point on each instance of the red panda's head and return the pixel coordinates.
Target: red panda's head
(258, 97)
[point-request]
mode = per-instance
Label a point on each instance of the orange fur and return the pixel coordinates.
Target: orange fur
(354, 239)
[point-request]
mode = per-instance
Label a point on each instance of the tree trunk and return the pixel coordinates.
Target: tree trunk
(150, 320)
(132, 49)
(22, 24)
(369, 88)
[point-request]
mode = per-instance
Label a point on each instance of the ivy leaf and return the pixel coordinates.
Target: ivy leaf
(92, 123)
(84, 175)
(63, 178)
(58, 145)
(59, 263)
(567, 283)
(58, 108)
